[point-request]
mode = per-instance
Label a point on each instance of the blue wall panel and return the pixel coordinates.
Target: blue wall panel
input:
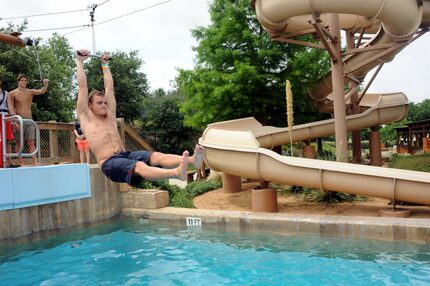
(7, 197)
(48, 184)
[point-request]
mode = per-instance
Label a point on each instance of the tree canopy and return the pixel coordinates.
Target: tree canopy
(240, 71)
(162, 123)
(419, 111)
(131, 85)
(52, 59)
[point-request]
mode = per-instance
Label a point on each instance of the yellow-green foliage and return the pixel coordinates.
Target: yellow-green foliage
(290, 112)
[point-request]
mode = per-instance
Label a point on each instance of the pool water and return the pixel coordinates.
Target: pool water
(135, 252)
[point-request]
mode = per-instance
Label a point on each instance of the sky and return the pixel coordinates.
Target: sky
(160, 30)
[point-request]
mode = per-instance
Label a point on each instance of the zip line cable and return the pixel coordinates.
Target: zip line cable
(98, 5)
(52, 13)
(45, 14)
(152, 6)
(60, 28)
(87, 25)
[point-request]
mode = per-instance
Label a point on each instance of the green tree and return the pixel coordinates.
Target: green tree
(131, 85)
(15, 60)
(419, 111)
(56, 63)
(389, 134)
(240, 71)
(162, 123)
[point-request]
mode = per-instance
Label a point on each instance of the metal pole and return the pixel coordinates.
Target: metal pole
(93, 30)
(355, 135)
(3, 139)
(339, 100)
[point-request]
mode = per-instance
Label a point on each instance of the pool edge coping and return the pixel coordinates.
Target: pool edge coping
(415, 230)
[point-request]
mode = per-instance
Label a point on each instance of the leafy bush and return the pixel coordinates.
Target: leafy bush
(160, 185)
(182, 197)
(181, 200)
(420, 162)
(327, 155)
(317, 196)
(293, 190)
(197, 188)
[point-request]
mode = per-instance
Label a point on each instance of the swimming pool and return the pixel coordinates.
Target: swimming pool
(136, 252)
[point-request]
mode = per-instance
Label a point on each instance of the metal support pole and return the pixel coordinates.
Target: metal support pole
(338, 92)
(93, 30)
(356, 138)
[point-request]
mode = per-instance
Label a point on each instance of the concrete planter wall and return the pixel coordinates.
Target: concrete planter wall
(104, 203)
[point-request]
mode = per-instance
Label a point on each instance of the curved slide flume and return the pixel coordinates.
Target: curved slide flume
(399, 20)
(238, 147)
(241, 147)
(379, 109)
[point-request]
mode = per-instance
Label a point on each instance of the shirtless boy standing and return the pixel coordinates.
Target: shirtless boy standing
(97, 114)
(19, 103)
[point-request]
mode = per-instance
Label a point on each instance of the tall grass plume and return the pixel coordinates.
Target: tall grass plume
(290, 112)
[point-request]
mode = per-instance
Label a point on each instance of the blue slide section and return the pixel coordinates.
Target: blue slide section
(32, 186)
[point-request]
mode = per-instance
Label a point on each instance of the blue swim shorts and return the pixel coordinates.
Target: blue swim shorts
(119, 167)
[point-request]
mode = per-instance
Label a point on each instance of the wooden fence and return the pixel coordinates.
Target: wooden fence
(57, 142)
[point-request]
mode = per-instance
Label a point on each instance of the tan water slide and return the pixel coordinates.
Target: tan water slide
(242, 147)
(393, 23)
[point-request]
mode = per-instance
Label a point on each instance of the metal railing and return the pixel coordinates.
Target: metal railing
(18, 119)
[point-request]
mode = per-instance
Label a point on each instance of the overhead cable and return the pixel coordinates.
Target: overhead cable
(60, 28)
(76, 31)
(46, 14)
(152, 6)
(98, 5)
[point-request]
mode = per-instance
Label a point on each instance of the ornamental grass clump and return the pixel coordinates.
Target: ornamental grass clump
(290, 113)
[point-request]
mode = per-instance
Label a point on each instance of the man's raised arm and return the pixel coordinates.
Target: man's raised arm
(108, 84)
(42, 90)
(82, 105)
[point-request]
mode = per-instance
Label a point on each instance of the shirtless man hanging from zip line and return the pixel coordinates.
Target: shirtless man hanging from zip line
(96, 112)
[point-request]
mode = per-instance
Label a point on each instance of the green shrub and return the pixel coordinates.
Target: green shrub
(420, 162)
(293, 190)
(160, 185)
(197, 188)
(317, 196)
(327, 155)
(181, 200)
(281, 189)
(182, 197)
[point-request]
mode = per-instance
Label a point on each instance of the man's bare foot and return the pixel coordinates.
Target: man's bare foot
(183, 166)
(198, 156)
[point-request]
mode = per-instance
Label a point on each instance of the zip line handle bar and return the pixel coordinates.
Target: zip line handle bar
(92, 56)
